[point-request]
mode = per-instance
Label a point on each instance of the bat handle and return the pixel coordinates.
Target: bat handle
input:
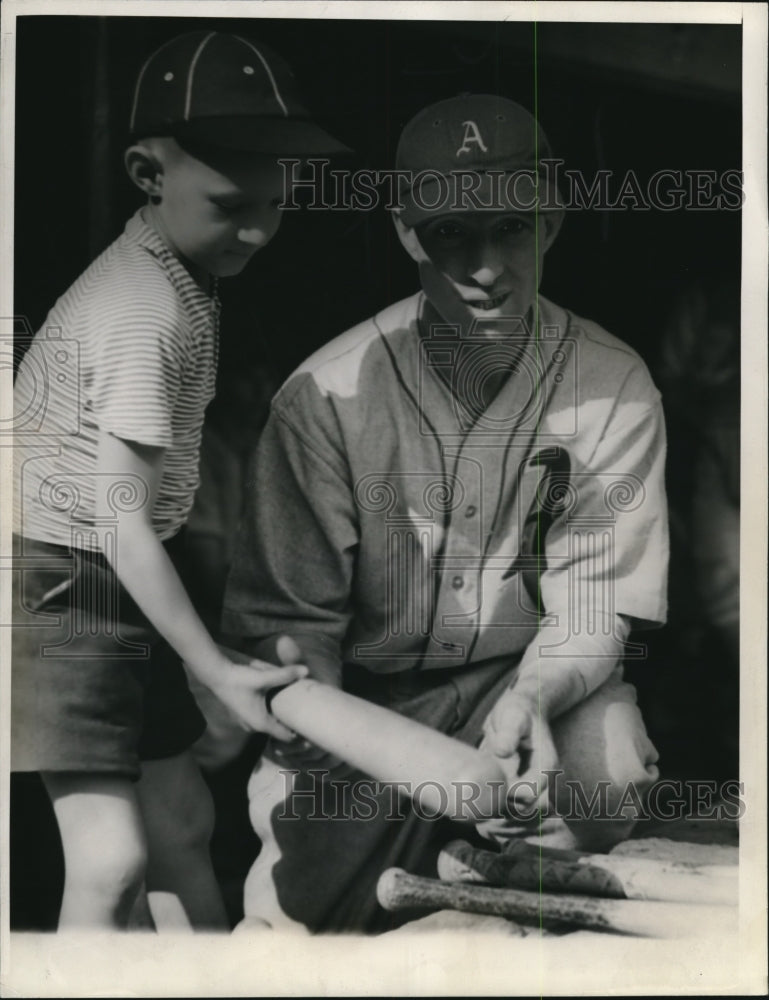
(397, 890)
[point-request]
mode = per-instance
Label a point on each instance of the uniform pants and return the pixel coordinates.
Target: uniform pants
(324, 846)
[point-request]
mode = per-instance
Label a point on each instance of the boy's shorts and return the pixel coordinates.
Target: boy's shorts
(94, 686)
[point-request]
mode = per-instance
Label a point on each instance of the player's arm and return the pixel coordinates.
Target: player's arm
(148, 574)
(518, 728)
(627, 566)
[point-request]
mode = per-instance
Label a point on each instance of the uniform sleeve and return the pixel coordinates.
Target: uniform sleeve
(607, 554)
(140, 356)
(293, 563)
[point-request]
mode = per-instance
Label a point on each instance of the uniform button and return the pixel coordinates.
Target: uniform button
(458, 582)
(470, 511)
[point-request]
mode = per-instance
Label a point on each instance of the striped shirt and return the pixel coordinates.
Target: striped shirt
(131, 349)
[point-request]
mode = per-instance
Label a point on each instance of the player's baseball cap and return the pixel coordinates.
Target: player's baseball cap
(472, 153)
(227, 91)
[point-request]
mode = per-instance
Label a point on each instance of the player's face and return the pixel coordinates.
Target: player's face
(492, 260)
(215, 215)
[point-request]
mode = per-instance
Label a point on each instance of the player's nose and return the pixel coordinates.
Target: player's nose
(485, 264)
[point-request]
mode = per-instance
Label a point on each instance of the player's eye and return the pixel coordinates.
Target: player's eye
(513, 226)
(448, 231)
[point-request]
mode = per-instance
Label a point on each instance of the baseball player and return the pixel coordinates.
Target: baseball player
(459, 513)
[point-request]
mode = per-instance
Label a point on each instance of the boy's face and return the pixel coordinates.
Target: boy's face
(493, 260)
(216, 213)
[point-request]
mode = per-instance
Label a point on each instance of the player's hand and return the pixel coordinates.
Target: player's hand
(520, 738)
(241, 683)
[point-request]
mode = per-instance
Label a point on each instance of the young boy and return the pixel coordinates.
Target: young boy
(105, 483)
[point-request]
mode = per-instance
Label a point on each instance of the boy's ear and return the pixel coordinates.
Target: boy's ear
(145, 168)
(553, 223)
(408, 237)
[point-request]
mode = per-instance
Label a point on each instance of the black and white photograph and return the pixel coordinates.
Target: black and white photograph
(384, 481)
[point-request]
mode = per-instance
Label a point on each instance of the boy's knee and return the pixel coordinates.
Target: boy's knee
(116, 872)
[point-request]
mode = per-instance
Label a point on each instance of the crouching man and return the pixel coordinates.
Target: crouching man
(458, 513)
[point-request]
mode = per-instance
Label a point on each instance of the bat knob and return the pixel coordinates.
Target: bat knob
(387, 887)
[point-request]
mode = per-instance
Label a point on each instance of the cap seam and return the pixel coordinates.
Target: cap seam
(268, 71)
(191, 75)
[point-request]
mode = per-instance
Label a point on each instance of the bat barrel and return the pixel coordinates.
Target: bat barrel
(443, 776)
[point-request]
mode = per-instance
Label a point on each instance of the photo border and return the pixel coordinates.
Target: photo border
(448, 964)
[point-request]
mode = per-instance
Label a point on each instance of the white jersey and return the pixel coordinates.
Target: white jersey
(391, 526)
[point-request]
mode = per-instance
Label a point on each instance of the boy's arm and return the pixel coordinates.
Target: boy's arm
(148, 574)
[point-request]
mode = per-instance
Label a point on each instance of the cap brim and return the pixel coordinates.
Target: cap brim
(281, 136)
(513, 191)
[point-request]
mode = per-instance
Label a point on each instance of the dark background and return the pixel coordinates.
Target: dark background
(616, 97)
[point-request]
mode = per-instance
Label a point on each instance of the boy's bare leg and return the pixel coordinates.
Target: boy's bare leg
(140, 918)
(178, 819)
(104, 848)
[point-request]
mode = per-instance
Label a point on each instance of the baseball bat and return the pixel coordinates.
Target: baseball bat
(588, 874)
(444, 776)
(397, 890)
(517, 848)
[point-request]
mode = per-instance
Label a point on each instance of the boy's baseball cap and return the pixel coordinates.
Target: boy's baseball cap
(227, 91)
(474, 152)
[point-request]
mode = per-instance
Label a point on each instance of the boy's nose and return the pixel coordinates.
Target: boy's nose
(254, 236)
(259, 228)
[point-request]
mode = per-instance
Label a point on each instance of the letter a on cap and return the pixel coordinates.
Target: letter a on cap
(472, 134)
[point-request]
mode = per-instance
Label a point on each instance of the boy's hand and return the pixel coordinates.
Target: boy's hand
(520, 737)
(241, 682)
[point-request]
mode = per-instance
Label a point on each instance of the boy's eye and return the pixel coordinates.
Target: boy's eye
(228, 207)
